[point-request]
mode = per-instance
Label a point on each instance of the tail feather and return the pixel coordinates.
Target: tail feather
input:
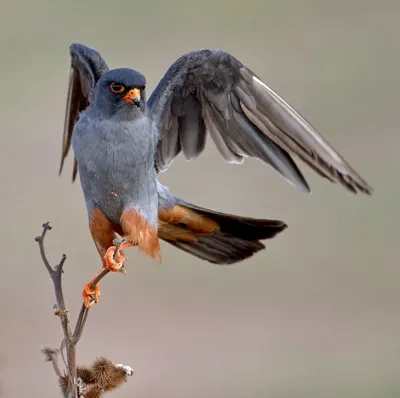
(236, 239)
(244, 227)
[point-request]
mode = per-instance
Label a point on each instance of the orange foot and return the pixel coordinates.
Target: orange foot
(111, 264)
(90, 296)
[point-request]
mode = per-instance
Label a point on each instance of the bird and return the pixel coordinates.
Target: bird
(122, 141)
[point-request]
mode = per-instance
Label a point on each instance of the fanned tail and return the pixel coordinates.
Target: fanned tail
(216, 237)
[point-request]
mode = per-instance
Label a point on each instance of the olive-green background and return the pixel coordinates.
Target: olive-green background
(314, 315)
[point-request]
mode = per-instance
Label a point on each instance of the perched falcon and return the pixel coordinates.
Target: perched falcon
(121, 142)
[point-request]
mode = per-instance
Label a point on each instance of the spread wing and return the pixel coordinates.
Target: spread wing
(87, 66)
(209, 92)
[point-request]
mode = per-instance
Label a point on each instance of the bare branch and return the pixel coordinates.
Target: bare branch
(83, 314)
(40, 240)
(56, 276)
(78, 380)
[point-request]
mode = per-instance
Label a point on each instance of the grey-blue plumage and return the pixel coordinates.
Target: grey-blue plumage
(121, 144)
(116, 165)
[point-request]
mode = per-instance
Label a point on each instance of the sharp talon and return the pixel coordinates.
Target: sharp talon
(90, 296)
(111, 264)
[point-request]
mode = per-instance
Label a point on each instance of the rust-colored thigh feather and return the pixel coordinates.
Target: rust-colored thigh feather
(137, 230)
(102, 231)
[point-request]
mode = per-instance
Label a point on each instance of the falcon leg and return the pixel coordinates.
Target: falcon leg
(113, 260)
(103, 236)
(91, 295)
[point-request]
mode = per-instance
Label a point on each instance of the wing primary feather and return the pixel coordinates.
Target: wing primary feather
(87, 66)
(191, 129)
(66, 139)
(260, 146)
(75, 170)
(168, 147)
(244, 117)
(277, 136)
(226, 152)
(288, 126)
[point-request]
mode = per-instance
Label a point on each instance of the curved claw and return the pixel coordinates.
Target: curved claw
(90, 296)
(114, 265)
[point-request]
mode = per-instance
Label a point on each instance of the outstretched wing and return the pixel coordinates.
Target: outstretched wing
(211, 92)
(87, 66)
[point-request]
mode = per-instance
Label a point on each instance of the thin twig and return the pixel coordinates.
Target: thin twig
(80, 324)
(62, 312)
(56, 276)
(84, 312)
(70, 339)
(40, 240)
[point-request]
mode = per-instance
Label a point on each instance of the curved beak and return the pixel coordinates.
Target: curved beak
(133, 97)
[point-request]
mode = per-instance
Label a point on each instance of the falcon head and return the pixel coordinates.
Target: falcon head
(120, 92)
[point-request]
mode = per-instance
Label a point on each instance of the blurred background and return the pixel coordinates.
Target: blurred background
(314, 315)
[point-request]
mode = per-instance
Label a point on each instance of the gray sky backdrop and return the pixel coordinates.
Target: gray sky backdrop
(314, 315)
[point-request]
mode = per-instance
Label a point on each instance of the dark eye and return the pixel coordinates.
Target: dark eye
(117, 88)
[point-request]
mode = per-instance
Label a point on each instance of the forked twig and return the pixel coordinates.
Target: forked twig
(56, 276)
(70, 339)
